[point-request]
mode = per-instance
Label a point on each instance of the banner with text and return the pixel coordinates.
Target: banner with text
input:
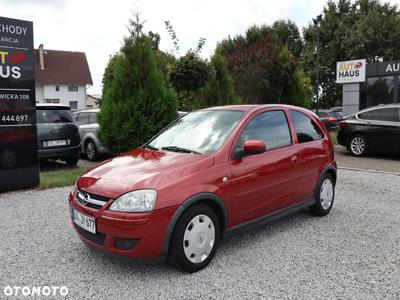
(18, 137)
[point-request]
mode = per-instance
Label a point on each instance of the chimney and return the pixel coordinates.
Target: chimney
(41, 56)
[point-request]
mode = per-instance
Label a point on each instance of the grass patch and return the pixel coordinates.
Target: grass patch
(59, 178)
(334, 137)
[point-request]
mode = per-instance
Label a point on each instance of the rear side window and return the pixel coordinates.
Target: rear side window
(54, 116)
(83, 119)
(307, 130)
(389, 114)
(271, 127)
(92, 118)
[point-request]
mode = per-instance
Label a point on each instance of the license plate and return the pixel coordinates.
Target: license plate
(83, 221)
(54, 143)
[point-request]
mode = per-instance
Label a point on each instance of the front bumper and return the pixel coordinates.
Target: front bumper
(148, 229)
(60, 152)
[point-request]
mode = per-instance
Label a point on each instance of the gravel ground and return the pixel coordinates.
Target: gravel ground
(353, 253)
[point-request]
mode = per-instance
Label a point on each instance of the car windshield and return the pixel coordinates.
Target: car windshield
(198, 132)
(45, 115)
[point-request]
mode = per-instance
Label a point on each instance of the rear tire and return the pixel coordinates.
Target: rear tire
(72, 161)
(324, 197)
(358, 145)
(195, 239)
(91, 150)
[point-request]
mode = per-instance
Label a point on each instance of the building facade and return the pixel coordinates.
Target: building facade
(93, 101)
(377, 84)
(61, 77)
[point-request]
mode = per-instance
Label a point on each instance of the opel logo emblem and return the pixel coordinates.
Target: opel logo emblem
(85, 199)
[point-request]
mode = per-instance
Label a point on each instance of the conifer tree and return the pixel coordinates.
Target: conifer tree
(136, 102)
(220, 89)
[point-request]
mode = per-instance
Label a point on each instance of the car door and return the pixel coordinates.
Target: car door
(311, 149)
(263, 183)
(382, 129)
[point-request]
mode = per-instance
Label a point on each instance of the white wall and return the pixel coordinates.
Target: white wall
(39, 93)
(49, 92)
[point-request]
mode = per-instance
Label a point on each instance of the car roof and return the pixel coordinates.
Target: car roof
(395, 105)
(51, 105)
(96, 110)
(255, 107)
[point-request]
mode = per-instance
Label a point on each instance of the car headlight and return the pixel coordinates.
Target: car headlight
(136, 201)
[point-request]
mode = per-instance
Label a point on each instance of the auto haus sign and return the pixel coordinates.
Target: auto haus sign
(18, 138)
(351, 71)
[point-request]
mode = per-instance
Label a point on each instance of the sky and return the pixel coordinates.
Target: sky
(97, 27)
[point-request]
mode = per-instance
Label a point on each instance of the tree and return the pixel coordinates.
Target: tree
(190, 72)
(220, 89)
(288, 33)
(136, 101)
(264, 69)
(350, 30)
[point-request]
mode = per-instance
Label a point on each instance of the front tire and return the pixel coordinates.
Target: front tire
(195, 239)
(324, 196)
(358, 145)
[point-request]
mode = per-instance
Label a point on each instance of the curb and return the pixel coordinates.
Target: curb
(369, 171)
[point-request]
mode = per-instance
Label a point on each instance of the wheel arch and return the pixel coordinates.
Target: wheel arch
(331, 170)
(89, 137)
(211, 199)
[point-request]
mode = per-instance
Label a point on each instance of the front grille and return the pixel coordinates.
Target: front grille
(97, 238)
(100, 200)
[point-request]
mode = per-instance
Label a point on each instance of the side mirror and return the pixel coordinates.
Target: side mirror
(254, 147)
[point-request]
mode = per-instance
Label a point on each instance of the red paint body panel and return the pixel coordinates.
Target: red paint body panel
(257, 185)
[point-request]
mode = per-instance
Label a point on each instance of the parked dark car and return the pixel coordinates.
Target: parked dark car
(210, 174)
(329, 118)
(376, 129)
(58, 135)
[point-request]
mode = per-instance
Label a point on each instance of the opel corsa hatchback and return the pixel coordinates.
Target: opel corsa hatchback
(210, 174)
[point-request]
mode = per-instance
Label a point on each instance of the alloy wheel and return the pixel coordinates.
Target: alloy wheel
(90, 150)
(357, 145)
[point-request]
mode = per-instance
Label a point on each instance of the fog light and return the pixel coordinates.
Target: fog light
(125, 244)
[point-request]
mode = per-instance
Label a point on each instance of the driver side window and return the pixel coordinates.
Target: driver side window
(271, 127)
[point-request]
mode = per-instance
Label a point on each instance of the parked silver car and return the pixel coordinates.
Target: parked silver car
(88, 128)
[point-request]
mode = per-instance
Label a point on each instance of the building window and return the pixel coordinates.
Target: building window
(57, 88)
(73, 104)
(72, 88)
(56, 101)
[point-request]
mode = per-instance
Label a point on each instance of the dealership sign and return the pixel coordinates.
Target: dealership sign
(18, 137)
(351, 71)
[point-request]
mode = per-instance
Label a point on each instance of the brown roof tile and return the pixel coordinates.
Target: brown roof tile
(62, 67)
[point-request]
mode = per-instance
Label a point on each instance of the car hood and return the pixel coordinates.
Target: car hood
(140, 169)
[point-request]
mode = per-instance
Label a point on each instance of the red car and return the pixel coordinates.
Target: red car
(210, 174)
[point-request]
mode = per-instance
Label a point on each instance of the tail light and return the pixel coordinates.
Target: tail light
(342, 124)
(331, 120)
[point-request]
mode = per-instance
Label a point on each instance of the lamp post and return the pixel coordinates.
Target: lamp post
(317, 23)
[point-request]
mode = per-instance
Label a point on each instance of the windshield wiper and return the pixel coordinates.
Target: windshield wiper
(179, 149)
(149, 147)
